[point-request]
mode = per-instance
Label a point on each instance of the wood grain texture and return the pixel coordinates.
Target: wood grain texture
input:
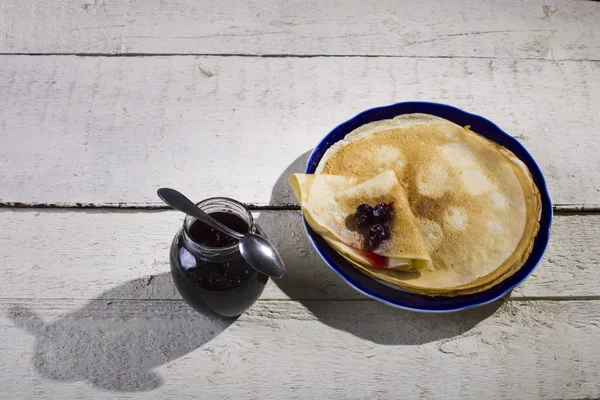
(547, 29)
(124, 255)
(154, 349)
(112, 130)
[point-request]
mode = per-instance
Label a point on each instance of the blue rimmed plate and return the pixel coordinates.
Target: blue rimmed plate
(412, 301)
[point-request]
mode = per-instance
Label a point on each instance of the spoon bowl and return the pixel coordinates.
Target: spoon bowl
(262, 255)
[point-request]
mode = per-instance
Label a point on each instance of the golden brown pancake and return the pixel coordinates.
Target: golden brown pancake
(329, 202)
(475, 202)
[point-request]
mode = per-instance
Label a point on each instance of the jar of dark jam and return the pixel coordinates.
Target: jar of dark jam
(206, 265)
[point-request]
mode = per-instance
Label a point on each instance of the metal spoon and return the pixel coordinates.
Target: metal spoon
(255, 249)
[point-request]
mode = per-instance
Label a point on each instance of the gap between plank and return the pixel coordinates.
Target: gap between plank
(290, 56)
(130, 206)
(516, 298)
(559, 209)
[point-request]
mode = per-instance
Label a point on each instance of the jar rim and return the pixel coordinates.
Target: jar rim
(243, 212)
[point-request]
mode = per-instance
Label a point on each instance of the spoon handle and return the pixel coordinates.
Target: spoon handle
(178, 201)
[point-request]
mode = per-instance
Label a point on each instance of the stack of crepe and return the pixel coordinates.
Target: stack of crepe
(466, 210)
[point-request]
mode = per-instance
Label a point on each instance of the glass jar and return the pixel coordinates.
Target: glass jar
(207, 266)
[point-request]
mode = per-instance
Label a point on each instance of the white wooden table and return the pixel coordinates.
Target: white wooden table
(102, 102)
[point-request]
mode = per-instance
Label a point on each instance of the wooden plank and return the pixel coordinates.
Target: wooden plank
(321, 349)
(124, 255)
(549, 29)
(112, 130)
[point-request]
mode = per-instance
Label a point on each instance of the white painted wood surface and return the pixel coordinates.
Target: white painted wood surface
(548, 29)
(124, 255)
(87, 307)
(281, 349)
(112, 130)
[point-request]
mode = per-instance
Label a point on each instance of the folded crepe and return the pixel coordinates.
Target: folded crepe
(329, 203)
(475, 202)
